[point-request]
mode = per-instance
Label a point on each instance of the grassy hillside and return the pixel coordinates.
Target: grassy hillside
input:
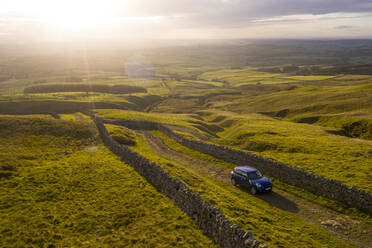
(337, 101)
(304, 103)
(250, 75)
(191, 121)
(304, 146)
(274, 227)
(323, 201)
(121, 134)
(62, 188)
(308, 147)
(74, 102)
(342, 101)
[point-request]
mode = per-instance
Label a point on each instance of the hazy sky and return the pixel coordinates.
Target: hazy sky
(25, 20)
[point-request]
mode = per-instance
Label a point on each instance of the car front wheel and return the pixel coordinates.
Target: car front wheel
(233, 182)
(253, 190)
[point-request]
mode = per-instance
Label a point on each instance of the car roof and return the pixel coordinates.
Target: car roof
(245, 169)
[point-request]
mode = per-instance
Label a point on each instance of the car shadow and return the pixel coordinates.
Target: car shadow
(275, 200)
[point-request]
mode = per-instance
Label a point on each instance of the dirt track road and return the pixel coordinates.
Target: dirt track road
(187, 130)
(356, 232)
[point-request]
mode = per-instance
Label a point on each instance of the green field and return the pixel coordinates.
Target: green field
(62, 188)
(250, 75)
(304, 146)
(293, 101)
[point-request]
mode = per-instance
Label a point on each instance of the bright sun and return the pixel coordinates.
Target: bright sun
(75, 13)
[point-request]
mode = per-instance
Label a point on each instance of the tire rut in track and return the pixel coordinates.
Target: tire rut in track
(203, 167)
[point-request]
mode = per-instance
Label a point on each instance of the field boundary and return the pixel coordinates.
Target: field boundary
(83, 87)
(314, 183)
(208, 218)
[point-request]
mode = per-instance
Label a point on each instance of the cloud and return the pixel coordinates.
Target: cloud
(344, 27)
(220, 16)
(232, 13)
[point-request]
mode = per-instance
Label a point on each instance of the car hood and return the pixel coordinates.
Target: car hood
(262, 180)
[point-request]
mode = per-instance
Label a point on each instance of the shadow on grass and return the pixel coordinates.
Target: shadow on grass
(275, 200)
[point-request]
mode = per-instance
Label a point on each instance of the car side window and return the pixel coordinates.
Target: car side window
(238, 172)
(241, 173)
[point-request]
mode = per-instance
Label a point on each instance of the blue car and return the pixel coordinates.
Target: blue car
(251, 178)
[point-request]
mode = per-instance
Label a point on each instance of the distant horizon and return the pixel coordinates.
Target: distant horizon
(190, 40)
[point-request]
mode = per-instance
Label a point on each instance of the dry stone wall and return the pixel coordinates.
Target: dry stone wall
(312, 182)
(53, 114)
(134, 124)
(210, 219)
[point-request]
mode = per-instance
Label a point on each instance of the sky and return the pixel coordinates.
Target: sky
(43, 20)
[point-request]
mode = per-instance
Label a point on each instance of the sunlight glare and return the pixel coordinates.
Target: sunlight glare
(76, 13)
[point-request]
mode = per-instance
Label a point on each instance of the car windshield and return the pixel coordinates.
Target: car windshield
(254, 175)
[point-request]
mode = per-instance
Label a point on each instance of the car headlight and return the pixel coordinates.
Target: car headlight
(258, 185)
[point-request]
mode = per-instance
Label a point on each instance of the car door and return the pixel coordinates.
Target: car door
(245, 180)
(239, 177)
